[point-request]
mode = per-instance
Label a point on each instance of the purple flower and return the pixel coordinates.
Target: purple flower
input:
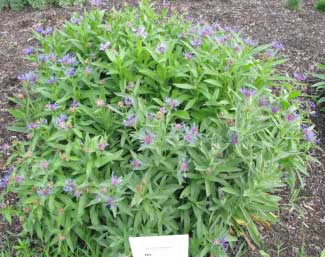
(43, 58)
(52, 57)
(76, 20)
(74, 104)
(234, 138)
(206, 31)
(60, 121)
(309, 134)
(292, 117)
(68, 59)
(262, 101)
(51, 80)
(4, 181)
(69, 185)
(130, 121)
(43, 165)
(29, 77)
(115, 181)
(248, 92)
(110, 202)
(128, 101)
(161, 48)
(70, 72)
(223, 242)
(104, 46)
(196, 42)
(184, 165)
(28, 51)
(32, 125)
(4, 148)
(171, 103)
(102, 145)
(52, 106)
(148, 138)
(43, 121)
(47, 31)
(141, 32)
(278, 45)
(135, 164)
(95, 2)
(299, 77)
(275, 108)
(270, 53)
(177, 127)
(44, 191)
(19, 179)
(189, 138)
(88, 70)
(311, 105)
(162, 110)
(250, 42)
(188, 56)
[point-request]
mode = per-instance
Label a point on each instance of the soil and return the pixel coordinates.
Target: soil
(302, 220)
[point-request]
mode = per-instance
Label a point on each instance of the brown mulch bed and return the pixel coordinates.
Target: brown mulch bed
(303, 34)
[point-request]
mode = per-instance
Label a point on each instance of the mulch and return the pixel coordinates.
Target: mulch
(301, 222)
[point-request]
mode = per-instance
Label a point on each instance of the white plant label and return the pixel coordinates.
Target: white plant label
(160, 246)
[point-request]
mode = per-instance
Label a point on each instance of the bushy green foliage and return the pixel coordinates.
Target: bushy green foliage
(37, 4)
(320, 5)
(320, 87)
(144, 124)
(294, 4)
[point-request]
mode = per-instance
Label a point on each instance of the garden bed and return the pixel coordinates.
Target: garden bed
(302, 33)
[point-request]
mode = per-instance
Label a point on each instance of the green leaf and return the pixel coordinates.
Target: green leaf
(182, 114)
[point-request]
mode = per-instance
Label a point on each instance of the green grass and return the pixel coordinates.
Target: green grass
(320, 5)
(293, 4)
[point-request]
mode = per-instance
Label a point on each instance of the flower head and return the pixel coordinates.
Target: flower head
(247, 92)
(141, 32)
(292, 117)
(171, 103)
(161, 48)
(278, 45)
(250, 42)
(263, 101)
(309, 135)
(70, 72)
(43, 58)
(52, 106)
(110, 202)
(29, 77)
(275, 108)
(223, 242)
(299, 77)
(234, 138)
(43, 165)
(102, 145)
(76, 20)
(115, 181)
(28, 51)
(44, 191)
(135, 163)
(196, 42)
(68, 59)
(51, 80)
(128, 101)
(148, 138)
(206, 31)
(184, 165)
(100, 103)
(130, 121)
(60, 121)
(188, 56)
(95, 3)
(104, 46)
(69, 185)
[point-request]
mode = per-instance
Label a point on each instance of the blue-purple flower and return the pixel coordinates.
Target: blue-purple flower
(184, 165)
(60, 121)
(130, 121)
(32, 125)
(69, 185)
(52, 106)
(196, 42)
(43, 58)
(275, 108)
(115, 181)
(104, 46)
(29, 77)
(250, 42)
(135, 164)
(277, 45)
(148, 138)
(263, 101)
(141, 32)
(44, 31)
(161, 48)
(223, 242)
(68, 59)
(128, 101)
(206, 31)
(188, 56)
(76, 20)
(248, 92)
(44, 191)
(70, 72)
(95, 3)
(292, 117)
(110, 202)
(299, 77)
(51, 80)
(28, 51)
(171, 103)
(234, 138)
(309, 134)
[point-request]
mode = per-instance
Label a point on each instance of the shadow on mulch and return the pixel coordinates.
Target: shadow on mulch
(303, 34)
